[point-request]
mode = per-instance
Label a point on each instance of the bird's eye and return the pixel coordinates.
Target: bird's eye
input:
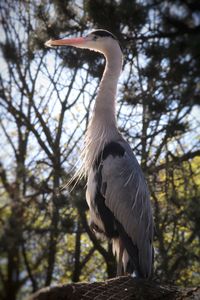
(95, 38)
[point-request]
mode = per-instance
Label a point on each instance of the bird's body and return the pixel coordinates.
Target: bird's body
(119, 206)
(117, 194)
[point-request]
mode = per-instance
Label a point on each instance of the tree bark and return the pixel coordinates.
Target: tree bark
(124, 287)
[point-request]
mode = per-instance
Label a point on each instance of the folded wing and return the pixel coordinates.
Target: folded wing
(126, 194)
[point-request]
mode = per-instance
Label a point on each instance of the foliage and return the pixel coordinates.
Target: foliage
(46, 98)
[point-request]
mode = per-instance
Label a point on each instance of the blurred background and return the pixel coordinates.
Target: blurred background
(46, 100)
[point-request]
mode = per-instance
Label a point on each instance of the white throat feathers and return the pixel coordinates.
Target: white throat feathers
(103, 127)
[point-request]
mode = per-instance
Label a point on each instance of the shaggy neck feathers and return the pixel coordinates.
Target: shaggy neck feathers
(103, 128)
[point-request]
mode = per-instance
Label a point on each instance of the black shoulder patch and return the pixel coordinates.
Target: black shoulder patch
(112, 148)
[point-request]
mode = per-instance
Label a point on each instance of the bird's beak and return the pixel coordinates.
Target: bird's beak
(76, 42)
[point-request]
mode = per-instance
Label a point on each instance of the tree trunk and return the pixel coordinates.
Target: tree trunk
(124, 287)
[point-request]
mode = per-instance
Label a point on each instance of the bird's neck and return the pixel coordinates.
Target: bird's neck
(102, 128)
(104, 109)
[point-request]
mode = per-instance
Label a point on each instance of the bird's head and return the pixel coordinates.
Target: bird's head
(98, 40)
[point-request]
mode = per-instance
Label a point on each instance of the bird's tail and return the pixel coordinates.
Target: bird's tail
(137, 260)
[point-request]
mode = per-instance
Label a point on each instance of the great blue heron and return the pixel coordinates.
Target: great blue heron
(117, 193)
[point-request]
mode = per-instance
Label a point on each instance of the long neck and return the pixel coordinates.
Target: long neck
(102, 128)
(104, 110)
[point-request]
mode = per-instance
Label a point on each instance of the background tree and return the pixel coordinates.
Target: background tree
(46, 98)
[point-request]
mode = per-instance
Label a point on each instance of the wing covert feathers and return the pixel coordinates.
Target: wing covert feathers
(127, 197)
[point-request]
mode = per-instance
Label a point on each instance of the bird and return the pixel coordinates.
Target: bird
(116, 192)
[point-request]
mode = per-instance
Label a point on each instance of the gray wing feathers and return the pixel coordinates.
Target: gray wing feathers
(127, 197)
